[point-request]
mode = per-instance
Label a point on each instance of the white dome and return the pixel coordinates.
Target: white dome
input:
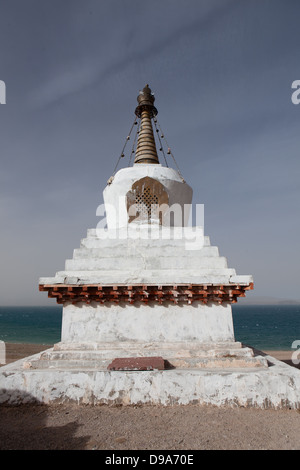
(145, 185)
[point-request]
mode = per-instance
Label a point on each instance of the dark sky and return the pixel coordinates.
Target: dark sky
(221, 71)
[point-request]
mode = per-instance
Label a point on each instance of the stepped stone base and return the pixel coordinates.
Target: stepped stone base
(275, 386)
(185, 355)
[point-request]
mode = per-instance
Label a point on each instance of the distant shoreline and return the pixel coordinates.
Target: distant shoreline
(270, 303)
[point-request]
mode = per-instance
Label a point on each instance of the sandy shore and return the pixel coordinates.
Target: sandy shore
(190, 427)
(16, 351)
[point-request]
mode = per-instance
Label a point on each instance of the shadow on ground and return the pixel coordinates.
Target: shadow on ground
(26, 427)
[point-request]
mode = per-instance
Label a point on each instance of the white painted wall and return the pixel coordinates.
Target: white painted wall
(147, 323)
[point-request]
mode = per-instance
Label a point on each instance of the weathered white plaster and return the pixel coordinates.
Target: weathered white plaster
(147, 323)
(274, 387)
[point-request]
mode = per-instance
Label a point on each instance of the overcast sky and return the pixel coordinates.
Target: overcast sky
(221, 71)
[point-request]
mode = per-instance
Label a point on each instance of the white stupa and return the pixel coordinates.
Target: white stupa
(147, 306)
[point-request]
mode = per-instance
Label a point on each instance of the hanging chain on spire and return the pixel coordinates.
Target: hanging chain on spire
(169, 152)
(133, 145)
(145, 149)
(122, 155)
(161, 145)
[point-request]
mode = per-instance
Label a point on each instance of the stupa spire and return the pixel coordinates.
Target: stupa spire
(146, 148)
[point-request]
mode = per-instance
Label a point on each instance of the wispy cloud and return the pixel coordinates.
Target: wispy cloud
(83, 73)
(65, 83)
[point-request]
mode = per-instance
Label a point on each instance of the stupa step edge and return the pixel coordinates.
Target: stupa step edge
(191, 243)
(220, 363)
(146, 262)
(152, 251)
(182, 276)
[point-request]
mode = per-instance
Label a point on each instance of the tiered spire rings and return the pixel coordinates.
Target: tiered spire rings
(146, 148)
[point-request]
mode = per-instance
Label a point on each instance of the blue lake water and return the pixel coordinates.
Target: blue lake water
(272, 327)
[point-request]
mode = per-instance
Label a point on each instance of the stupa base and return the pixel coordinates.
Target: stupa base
(275, 386)
(179, 355)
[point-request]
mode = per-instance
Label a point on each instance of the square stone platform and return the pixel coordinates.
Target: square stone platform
(69, 379)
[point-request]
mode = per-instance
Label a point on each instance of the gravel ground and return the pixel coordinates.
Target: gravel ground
(67, 427)
(191, 427)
